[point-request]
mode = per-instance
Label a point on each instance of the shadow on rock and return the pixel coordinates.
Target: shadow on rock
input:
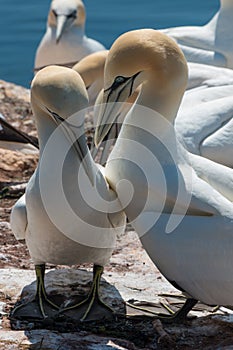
(66, 287)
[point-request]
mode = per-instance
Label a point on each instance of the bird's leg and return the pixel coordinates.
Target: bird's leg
(41, 294)
(93, 296)
(180, 315)
(36, 307)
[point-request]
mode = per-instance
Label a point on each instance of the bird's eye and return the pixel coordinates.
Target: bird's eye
(55, 13)
(119, 80)
(72, 15)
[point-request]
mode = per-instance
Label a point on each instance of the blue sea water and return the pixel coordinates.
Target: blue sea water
(23, 24)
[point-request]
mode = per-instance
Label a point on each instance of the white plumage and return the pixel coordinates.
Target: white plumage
(182, 204)
(204, 120)
(210, 43)
(69, 214)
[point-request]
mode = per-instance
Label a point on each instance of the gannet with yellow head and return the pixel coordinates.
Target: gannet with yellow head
(179, 204)
(70, 214)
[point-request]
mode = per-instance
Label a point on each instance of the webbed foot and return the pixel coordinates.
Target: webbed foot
(93, 307)
(40, 307)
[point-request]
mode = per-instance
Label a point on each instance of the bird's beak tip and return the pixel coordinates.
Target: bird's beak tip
(58, 39)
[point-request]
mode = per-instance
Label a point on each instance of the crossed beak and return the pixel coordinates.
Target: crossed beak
(79, 144)
(110, 104)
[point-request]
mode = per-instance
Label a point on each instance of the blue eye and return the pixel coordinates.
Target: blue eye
(119, 80)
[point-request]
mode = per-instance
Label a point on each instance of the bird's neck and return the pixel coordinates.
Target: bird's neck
(153, 114)
(161, 100)
(78, 30)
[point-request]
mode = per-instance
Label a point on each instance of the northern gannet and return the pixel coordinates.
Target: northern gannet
(68, 215)
(180, 204)
(210, 43)
(65, 42)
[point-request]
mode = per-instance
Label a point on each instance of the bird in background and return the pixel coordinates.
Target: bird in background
(91, 69)
(64, 42)
(180, 204)
(210, 43)
(68, 214)
(206, 128)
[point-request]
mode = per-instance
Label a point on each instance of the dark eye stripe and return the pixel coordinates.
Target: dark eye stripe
(72, 15)
(114, 87)
(117, 82)
(132, 82)
(118, 95)
(57, 116)
(121, 80)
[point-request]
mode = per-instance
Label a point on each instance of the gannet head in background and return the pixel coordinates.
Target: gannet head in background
(160, 67)
(57, 95)
(64, 14)
(64, 41)
(91, 67)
